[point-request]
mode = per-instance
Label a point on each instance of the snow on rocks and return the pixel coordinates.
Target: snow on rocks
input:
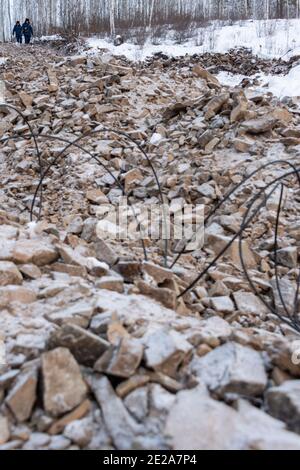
(22, 396)
(283, 402)
(231, 368)
(9, 274)
(196, 421)
(63, 384)
(100, 350)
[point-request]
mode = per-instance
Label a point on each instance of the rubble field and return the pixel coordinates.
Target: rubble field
(102, 350)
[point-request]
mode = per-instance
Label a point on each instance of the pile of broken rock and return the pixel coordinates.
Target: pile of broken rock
(100, 353)
(92, 363)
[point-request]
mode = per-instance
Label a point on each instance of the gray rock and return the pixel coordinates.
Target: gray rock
(121, 426)
(248, 303)
(85, 346)
(59, 443)
(37, 441)
(165, 350)
(283, 402)
(222, 304)
(80, 431)
(231, 368)
(288, 257)
(137, 403)
(196, 421)
(288, 291)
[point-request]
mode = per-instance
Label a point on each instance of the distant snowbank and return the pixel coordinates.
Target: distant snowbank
(269, 38)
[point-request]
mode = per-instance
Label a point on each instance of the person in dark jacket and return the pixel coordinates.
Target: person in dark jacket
(27, 31)
(17, 31)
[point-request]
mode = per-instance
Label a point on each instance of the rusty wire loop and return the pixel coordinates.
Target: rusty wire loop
(230, 193)
(293, 318)
(69, 144)
(22, 115)
(261, 197)
(61, 139)
(289, 318)
(276, 249)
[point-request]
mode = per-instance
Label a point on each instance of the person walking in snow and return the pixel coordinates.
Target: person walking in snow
(27, 31)
(17, 31)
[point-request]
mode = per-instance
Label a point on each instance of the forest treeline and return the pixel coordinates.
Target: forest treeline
(110, 16)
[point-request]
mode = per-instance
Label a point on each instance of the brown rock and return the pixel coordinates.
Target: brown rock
(26, 99)
(9, 274)
(38, 252)
(111, 283)
(20, 294)
(129, 270)
(96, 196)
(123, 360)
(63, 385)
(31, 271)
(84, 345)
(4, 430)
(166, 296)
(78, 271)
(202, 73)
(215, 105)
(134, 382)
(79, 313)
(22, 396)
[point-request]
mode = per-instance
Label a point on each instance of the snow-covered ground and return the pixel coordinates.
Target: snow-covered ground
(270, 38)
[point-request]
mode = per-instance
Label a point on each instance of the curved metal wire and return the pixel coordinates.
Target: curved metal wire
(117, 132)
(294, 322)
(218, 256)
(61, 139)
(276, 249)
(33, 136)
(229, 194)
(247, 219)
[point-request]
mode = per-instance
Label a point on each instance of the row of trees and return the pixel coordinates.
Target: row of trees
(99, 16)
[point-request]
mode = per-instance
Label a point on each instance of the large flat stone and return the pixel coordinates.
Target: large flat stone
(63, 385)
(231, 368)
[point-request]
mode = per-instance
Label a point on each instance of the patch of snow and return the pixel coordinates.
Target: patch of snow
(156, 139)
(230, 79)
(279, 85)
(289, 85)
(53, 37)
(3, 60)
(2, 92)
